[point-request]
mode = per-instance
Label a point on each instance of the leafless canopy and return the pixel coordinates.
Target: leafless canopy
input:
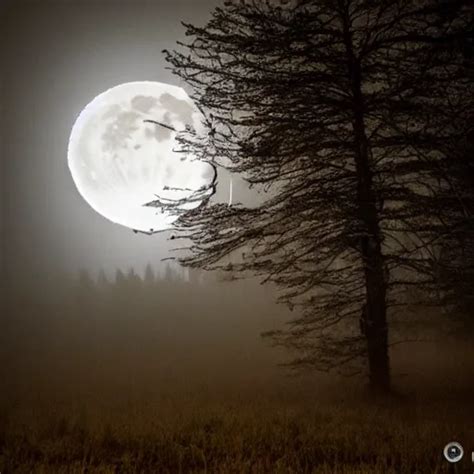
(349, 114)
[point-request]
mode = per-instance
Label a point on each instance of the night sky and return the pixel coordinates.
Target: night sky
(57, 56)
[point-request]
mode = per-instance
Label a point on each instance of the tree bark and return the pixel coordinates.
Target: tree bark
(375, 313)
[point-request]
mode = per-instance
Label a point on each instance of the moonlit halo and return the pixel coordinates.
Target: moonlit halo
(123, 156)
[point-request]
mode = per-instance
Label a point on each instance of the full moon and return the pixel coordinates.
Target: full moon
(125, 160)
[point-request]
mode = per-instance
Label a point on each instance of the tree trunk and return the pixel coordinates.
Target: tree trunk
(375, 314)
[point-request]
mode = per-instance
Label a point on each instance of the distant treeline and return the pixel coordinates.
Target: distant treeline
(167, 272)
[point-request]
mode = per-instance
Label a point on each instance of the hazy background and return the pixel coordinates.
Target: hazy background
(56, 56)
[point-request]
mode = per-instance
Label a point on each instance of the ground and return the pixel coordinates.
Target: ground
(259, 434)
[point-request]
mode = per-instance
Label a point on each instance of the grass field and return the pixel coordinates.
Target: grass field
(267, 435)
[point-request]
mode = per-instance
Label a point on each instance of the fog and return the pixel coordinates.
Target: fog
(132, 338)
(63, 335)
(55, 57)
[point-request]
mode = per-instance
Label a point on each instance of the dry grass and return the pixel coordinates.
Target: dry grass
(196, 435)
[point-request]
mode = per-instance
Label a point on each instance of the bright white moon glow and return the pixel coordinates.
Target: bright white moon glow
(120, 162)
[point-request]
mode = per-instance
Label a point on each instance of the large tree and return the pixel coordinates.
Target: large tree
(336, 109)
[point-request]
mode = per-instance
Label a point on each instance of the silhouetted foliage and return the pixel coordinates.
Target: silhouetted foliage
(149, 275)
(343, 111)
(456, 262)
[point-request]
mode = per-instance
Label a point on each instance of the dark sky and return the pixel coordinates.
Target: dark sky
(56, 56)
